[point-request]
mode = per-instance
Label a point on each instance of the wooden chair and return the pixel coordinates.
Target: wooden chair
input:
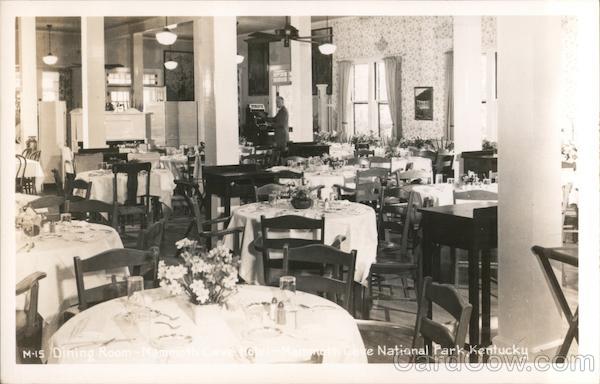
(20, 175)
(81, 186)
(28, 321)
(332, 286)
(27, 152)
(284, 224)
(87, 161)
(60, 191)
(378, 333)
(432, 155)
(262, 193)
(396, 259)
(52, 203)
(209, 232)
(134, 259)
(367, 185)
(380, 162)
(289, 175)
(92, 211)
(152, 236)
(132, 206)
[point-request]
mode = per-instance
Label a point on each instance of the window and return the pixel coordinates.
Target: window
(50, 86)
(370, 107)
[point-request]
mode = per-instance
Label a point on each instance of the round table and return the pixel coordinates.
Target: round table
(355, 221)
(240, 333)
(53, 254)
(161, 184)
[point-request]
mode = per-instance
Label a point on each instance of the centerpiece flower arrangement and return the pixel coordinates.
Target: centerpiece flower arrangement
(29, 221)
(366, 138)
(568, 152)
(207, 277)
(300, 197)
(326, 136)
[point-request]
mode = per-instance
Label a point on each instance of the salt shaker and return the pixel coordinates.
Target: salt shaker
(273, 309)
(280, 313)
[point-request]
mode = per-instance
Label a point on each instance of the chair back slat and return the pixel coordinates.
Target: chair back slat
(292, 222)
(114, 258)
(262, 193)
(320, 254)
(93, 211)
(51, 202)
(131, 170)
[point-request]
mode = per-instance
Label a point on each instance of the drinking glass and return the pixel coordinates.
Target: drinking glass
(450, 180)
(273, 199)
(287, 285)
(487, 181)
(439, 179)
(135, 288)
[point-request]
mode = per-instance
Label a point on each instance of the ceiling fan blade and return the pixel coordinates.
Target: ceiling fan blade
(315, 37)
(304, 41)
(264, 36)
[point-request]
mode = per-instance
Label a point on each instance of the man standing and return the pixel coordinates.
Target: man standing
(280, 124)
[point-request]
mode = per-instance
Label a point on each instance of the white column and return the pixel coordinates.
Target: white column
(137, 44)
(28, 68)
(467, 85)
(323, 112)
(301, 117)
(93, 82)
(215, 50)
(529, 166)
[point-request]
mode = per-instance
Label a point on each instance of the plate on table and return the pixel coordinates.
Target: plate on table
(171, 340)
(261, 333)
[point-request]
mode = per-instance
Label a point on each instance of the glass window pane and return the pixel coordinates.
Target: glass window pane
(361, 82)
(381, 86)
(361, 118)
(385, 121)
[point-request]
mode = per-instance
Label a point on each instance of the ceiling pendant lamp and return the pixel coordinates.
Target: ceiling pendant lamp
(170, 64)
(49, 59)
(166, 37)
(239, 59)
(327, 48)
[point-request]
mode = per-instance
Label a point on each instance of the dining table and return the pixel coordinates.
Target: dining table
(162, 184)
(159, 328)
(357, 222)
(472, 227)
(53, 253)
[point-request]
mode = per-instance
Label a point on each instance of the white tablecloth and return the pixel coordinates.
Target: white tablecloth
(53, 254)
(33, 169)
(355, 221)
(235, 336)
(443, 194)
(161, 184)
(419, 164)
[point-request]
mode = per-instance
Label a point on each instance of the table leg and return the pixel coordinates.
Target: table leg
(474, 300)
(208, 205)
(226, 203)
(427, 264)
(486, 280)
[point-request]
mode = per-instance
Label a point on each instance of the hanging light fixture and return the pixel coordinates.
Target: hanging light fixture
(49, 59)
(170, 64)
(239, 59)
(327, 48)
(166, 37)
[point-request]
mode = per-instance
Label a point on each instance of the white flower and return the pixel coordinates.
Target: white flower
(175, 288)
(161, 269)
(185, 242)
(200, 291)
(175, 272)
(200, 266)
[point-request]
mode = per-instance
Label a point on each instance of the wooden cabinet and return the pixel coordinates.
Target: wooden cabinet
(258, 68)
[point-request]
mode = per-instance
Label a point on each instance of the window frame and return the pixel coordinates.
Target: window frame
(373, 101)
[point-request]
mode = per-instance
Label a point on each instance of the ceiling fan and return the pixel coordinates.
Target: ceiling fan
(289, 32)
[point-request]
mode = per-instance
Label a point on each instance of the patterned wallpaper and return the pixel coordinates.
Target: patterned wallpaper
(420, 41)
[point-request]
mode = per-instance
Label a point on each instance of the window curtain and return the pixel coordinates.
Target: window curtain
(449, 131)
(343, 97)
(393, 79)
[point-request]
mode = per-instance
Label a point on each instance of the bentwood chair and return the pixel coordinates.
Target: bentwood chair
(331, 286)
(35, 155)
(19, 177)
(134, 259)
(262, 193)
(28, 321)
(282, 226)
(378, 333)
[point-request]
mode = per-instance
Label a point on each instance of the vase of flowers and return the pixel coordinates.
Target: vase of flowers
(300, 198)
(29, 222)
(208, 278)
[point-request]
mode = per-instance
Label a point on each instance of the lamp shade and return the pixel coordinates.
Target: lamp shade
(170, 65)
(49, 59)
(327, 48)
(166, 37)
(239, 59)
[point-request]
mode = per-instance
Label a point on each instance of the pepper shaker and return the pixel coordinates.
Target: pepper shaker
(281, 313)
